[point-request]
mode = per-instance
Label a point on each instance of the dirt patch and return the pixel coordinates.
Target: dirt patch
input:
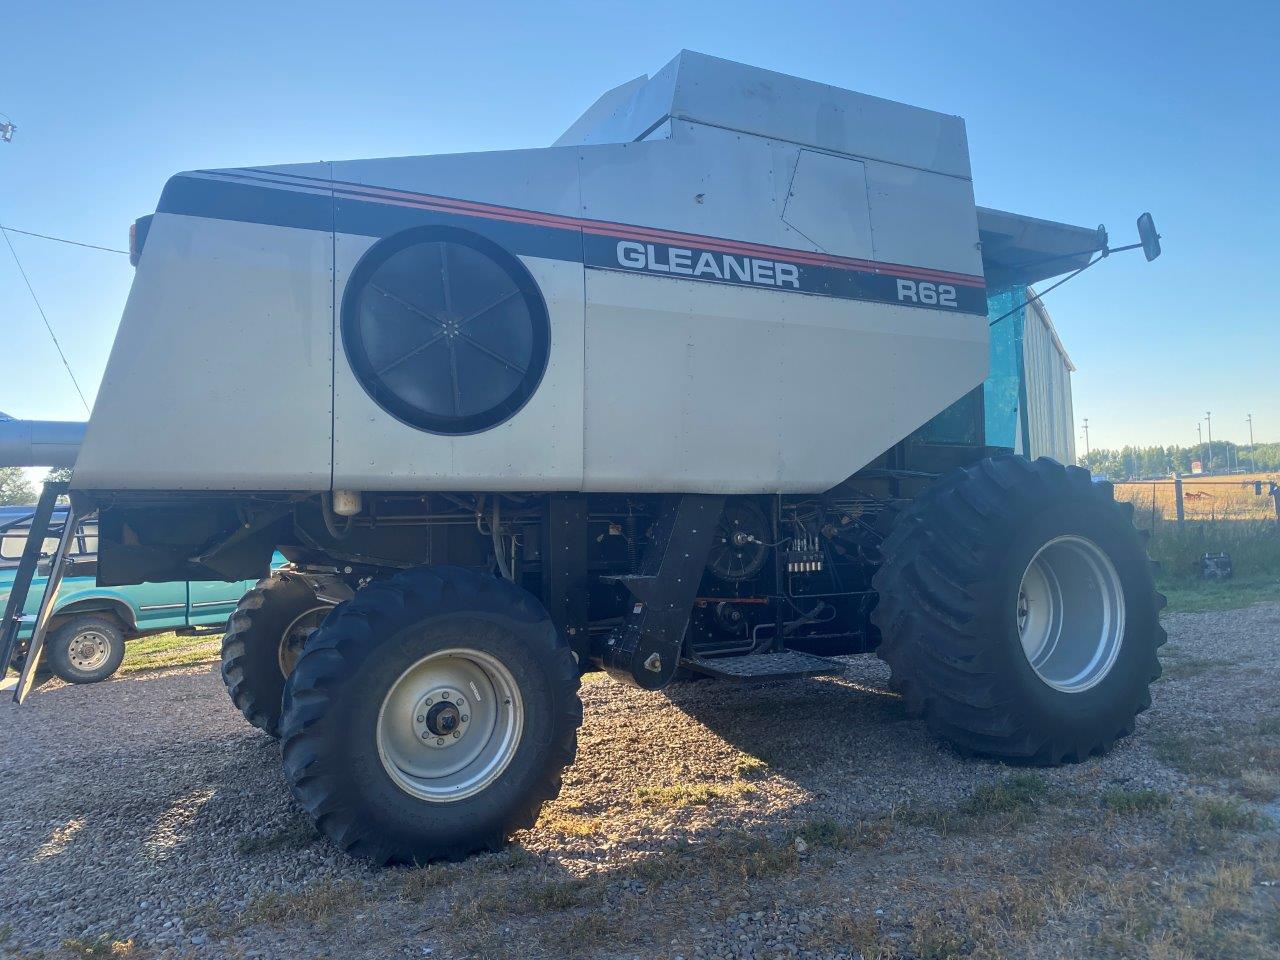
(143, 818)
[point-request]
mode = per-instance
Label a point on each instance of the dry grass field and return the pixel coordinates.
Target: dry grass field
(1204, 498)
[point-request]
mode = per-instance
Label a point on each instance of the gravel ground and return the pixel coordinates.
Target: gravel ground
(142, 817)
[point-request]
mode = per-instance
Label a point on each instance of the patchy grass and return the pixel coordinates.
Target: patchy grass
(295, 836)
(571, 825)
(691, 794)
(1178, 668)
(1215, 823)
(1128, 802)
(421, 883)
(751, 768)
(318, 903)
(1204, 753)
(1010, 801)
(103, 945)
(826, 832)
(170, 650)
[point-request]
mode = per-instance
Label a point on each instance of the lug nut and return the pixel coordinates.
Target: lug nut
(465, 718)
(421, 718)
(440, 742)
(426, 736)
(457, 734)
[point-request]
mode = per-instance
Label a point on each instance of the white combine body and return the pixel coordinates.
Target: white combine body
(738, 268)
(695, 390)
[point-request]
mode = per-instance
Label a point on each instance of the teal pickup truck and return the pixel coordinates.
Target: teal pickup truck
(91, 624)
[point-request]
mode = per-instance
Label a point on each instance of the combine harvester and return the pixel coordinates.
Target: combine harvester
(648, 400)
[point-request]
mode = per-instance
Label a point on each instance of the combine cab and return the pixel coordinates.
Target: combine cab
(648, 401)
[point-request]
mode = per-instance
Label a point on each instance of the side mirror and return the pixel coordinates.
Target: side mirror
(1147, 234)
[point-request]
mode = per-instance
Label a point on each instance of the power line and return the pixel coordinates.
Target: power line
(74, 243)
(75, 383)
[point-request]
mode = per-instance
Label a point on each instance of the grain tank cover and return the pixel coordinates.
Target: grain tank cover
(696, 88)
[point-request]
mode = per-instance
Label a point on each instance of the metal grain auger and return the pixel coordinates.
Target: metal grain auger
(648, 400)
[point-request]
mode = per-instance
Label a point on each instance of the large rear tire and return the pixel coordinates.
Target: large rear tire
(263, 640)
(1018, 612)
(430, 717)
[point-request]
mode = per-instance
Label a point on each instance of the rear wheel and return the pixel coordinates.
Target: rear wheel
(263, 641)
(431, 716)
(85, 648)
(1018, 611)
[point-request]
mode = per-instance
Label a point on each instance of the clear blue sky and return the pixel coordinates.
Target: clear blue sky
(1083, 112)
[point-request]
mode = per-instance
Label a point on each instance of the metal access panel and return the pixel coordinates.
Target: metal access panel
(219, 377)
(726, 352)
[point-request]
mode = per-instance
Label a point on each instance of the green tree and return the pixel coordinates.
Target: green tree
(15, 488)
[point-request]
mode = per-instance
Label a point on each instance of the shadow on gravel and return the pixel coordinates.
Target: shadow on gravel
(803, 726)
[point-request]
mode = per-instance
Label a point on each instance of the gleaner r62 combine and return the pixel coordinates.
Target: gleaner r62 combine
(649, 401)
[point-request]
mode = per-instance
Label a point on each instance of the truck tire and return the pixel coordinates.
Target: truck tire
(1018, 612)
(262, 644)
(85, 648)
(430, 716)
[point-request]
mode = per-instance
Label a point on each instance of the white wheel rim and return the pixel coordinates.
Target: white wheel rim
(295, 637)
(1070, 614)
(450, 724)
(89, 650)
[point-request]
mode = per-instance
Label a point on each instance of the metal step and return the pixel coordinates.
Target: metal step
(783, 665)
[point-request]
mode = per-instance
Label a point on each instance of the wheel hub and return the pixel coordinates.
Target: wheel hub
(441, 719)
(450, 724)
(1070, 614)
(88, 650)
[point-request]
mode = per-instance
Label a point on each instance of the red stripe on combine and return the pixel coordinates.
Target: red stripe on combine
(626, 231)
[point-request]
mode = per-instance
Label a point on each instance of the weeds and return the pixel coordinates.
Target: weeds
(1010, 801)
(103, 945)
(314, 904)
(1122, 801)
(691, 794)
(832, 834)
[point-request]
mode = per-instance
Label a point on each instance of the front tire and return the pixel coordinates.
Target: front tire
(1018, 612)
(85, 649)
(430, 717)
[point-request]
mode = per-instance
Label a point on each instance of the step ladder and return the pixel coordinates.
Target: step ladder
(45, 525)
(756, 667)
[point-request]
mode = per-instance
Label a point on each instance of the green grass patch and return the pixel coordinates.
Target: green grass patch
(170, 650)
(1122, 801)
(1012, 800)
(835, 835)
(1206, 596)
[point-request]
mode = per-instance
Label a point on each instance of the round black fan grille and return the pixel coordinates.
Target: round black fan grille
(445, 330)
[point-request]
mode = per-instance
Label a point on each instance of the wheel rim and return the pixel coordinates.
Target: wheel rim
(1070, 614)
(295, 637)
(450, 725)
(89, 650)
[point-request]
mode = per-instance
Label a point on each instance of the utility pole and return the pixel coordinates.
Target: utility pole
(1253, 464)
(1086, 439)
(1208, 419)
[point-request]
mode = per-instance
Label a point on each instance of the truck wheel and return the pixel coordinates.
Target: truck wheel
(85, 649)
(430, 716)
(1018, 612)
(263, 640)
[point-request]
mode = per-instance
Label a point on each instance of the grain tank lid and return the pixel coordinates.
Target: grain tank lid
(698, 88)
(1018, 250)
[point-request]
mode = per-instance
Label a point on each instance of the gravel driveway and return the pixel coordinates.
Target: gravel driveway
(142, 817)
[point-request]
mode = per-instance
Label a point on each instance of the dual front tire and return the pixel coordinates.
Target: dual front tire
(1018, 612)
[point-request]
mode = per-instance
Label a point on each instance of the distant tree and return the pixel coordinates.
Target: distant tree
(15, 488)
(58, 474)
